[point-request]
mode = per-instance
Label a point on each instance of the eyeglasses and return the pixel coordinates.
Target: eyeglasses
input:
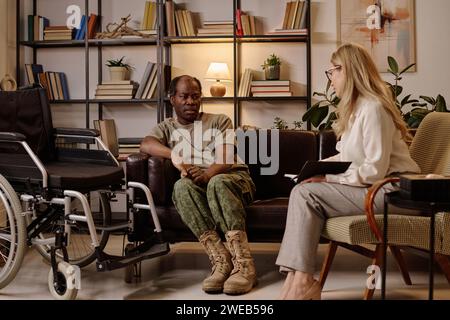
(329, 72)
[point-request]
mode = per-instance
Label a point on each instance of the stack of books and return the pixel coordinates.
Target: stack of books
(57, 33)
(245, 83)
(184, 23)
(55, 83)
(245, 24)
(92, 23)
(147, 87)
(129, 145)
(271, 88)
(216, 28)
(294, 21)
(149, 20)
(36, 27)
(116, 90)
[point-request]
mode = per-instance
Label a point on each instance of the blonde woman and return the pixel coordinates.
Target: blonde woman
(373, 137)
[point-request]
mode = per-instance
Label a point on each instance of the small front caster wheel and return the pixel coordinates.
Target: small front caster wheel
(65, 286)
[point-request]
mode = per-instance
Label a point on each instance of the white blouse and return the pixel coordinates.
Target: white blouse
(374, 146)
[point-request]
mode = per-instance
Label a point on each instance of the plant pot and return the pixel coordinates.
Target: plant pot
(272, 72)
(118, 73)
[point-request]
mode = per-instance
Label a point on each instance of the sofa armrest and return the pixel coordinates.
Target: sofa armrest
(137, 168)
(326, 144)
(162, 176)
(157, 173)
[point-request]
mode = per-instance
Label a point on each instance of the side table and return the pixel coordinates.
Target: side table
(427, 207)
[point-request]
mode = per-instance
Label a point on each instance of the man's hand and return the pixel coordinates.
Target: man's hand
(314, 179)
(198, 175)
(177, 162)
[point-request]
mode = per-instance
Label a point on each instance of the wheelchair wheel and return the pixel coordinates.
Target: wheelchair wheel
(12, 233)
(64, 287)
(80, 249)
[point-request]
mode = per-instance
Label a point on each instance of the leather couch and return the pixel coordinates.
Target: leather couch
(266, 216)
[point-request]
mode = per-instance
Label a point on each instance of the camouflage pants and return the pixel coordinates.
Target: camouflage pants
(220, 204)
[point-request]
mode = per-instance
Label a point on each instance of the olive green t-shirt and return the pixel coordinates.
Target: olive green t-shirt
(196, 142)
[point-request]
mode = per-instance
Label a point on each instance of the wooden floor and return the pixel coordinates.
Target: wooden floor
(178, 276)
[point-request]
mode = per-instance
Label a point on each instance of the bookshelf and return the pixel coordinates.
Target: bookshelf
(162, 48)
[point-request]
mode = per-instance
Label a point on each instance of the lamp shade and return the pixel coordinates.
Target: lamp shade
(218, 71)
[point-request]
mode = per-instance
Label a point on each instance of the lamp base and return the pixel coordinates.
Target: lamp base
(218, 89)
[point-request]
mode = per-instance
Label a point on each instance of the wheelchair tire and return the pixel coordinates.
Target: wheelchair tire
(12, 226)
(61, 290)
(80, 250)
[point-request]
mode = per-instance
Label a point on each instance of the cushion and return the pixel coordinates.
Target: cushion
(402, 230)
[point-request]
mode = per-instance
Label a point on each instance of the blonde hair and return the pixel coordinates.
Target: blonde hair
(362, 79)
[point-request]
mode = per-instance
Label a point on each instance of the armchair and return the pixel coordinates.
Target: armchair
(431, 151)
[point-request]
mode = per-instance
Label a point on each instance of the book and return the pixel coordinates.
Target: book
(272, 94)
(270, 89)
(65, 86)
(170, 18)
(239, 29)
(117, 92)
(286, 15)
(319, 168)
(108, 134)
(115, 86)
(144, 80)
(218, 22)
(145, 18)
(299, 15)
(92, 26)
(108, 82)
(271, 83)
(114, 97)
(304, 16)
(32, 71)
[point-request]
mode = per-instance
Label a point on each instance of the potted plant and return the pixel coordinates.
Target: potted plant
(271, 67)
(118, 69)
(320, 110)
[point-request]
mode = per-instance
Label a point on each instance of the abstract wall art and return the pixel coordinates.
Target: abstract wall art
(384, 27)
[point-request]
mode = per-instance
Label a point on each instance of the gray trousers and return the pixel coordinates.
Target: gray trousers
(219, 205)
(309, 205)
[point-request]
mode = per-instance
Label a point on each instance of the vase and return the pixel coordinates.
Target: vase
(118, 73)
(272, 72)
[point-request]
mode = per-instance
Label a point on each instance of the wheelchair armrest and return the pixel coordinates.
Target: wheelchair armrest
(77, 132)
(12, 136)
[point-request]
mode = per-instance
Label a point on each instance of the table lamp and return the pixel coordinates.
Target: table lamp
(218, 72)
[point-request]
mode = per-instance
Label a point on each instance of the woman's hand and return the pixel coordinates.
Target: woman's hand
(315, 179)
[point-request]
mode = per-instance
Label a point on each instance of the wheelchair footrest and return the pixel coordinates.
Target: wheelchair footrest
(109, 262)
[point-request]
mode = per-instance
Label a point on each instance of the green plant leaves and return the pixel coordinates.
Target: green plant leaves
(393, 65)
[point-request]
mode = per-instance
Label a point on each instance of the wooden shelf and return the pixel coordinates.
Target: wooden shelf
(293, 98)
(112, 101)
(200, 39)
(124, 101)
(91, 42)
(241, 39)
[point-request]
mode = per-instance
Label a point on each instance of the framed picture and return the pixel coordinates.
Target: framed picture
(384, 27)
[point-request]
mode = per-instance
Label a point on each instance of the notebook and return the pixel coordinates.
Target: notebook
(319, 168)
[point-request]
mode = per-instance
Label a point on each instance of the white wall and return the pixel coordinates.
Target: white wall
(432, 76)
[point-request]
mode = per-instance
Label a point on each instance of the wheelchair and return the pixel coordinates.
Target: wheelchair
(49, 178)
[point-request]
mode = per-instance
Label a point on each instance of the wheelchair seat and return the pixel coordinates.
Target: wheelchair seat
(27, 112)
(83, 177)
